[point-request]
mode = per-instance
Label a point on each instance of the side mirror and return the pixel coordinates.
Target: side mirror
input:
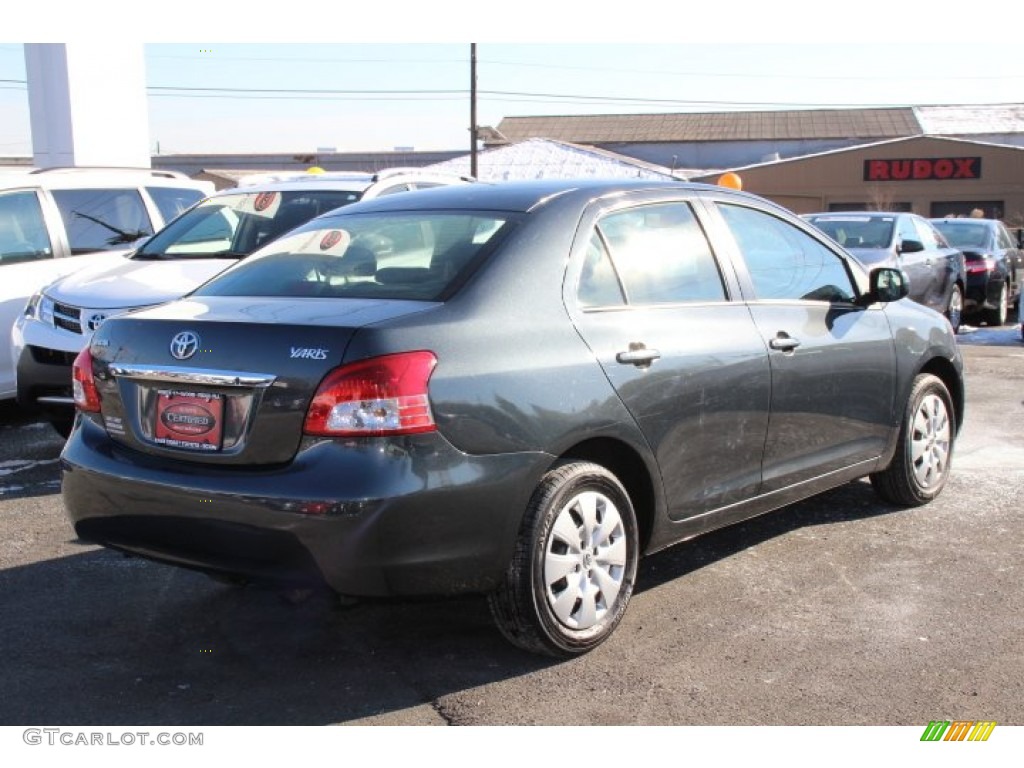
(887, 284)
(910, 246)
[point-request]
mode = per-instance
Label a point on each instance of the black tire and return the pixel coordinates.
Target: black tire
(920, 468)
(997, 316)
(955, 308)
(557, 621)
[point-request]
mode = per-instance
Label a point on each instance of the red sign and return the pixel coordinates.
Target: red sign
(189, 420)
(264, 200)
(330, 240)
(923, 169)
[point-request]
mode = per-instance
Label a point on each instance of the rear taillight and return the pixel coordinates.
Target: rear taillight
(384, 395)
(976, 266)
(87, 397)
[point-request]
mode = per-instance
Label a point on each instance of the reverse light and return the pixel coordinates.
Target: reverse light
(976, 266)
(384, 395)
(87, 397)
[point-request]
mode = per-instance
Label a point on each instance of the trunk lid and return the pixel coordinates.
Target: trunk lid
(224, 380)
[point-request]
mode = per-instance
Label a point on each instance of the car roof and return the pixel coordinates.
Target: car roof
(89, 177)
(965, 220)
(519, 196)
(349, 181)
(858, 214)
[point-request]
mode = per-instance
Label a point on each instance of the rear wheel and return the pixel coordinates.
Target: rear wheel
(920, 468)
(998, 315)
(572, 573)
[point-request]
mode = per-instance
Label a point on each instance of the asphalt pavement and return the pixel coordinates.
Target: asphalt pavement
(840, 610)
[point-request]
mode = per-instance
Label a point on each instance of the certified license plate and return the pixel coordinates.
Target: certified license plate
(192, 420)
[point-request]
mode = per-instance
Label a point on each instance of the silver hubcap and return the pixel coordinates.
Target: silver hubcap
(1004, 304)
(585, 560)
(929, 448)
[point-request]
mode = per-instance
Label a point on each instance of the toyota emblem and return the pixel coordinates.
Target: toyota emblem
(96, 321)
(184, 345)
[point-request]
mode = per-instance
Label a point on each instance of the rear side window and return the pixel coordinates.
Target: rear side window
(23, 234)
(171, 201)
(102, 219)
(417, 256)
(656, 254)
(783, 261)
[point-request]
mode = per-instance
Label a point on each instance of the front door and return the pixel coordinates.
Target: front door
(832, 362)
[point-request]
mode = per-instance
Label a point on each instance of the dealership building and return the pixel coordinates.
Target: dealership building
(935, 161)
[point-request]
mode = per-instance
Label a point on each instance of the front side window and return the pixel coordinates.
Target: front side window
(419, 256)
(102, 219)
(928, 236)
(906, 229)
(783, 261)
(1003, 238)
(658, 252)
(23, 235)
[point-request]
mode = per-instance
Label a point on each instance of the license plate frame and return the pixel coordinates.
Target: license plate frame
(193, 421)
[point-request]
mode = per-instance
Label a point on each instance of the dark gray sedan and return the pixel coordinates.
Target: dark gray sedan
(909, 242)
(515, 390)
(995, 266)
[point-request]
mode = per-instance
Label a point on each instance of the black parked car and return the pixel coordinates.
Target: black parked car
(908, 242)
(533, 385)
(995, 266)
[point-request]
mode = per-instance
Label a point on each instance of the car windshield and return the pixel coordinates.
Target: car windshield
(857, 231)
(235, 225)
(417, 256)
(964, 234)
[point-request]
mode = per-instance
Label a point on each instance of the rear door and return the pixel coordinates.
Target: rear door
(652, 301)
(832, 362)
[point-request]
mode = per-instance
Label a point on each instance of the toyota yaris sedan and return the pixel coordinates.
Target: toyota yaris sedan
(516, 390)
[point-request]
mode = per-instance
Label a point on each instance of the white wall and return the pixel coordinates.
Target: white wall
(87, 104)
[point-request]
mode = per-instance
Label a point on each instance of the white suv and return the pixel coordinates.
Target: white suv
(57, 220)
(227, 226)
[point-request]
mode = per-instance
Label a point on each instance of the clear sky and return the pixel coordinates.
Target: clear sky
(411, 89)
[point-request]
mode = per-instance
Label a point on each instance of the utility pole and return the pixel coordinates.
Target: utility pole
(472, 110)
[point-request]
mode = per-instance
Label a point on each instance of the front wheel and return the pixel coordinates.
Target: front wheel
(572, 573)
(955, 308)
(919, 470)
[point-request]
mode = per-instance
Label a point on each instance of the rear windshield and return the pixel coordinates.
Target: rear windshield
(420, 256)
(237, 224)
(856, 231)
(964, 234)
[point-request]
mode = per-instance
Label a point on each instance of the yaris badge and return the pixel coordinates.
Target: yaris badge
(184, 345)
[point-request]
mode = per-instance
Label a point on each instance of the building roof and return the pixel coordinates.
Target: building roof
(549, 159)
(717, 126)
(774, 125)
(965, 120)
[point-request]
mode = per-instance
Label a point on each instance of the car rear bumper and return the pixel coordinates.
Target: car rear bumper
(387, 516)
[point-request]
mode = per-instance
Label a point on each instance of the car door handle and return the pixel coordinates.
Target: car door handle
(638, 355)
(784, 342)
